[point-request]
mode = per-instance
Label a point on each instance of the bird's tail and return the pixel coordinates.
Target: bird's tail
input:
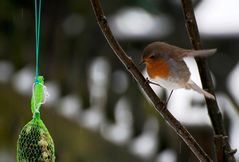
(194, 86)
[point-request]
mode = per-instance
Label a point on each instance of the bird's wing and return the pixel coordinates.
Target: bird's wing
(171, 51)
(180, 53)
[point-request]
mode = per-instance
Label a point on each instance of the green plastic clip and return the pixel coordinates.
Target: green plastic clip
(37, 96)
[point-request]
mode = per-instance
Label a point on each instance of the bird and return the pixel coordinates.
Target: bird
(166, 67)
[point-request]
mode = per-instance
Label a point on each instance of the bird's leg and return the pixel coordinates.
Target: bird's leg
(166, 103)
(150, 82)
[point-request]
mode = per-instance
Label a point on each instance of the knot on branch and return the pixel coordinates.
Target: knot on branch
(129, 64)
(222, 144)
(232, 152)
(161, 106)
(146, 81)
(189, 17)
(103, 19)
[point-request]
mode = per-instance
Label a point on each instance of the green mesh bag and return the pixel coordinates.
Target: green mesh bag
(35, 143)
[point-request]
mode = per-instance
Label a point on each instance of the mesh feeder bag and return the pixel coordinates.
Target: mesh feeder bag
(35, 143)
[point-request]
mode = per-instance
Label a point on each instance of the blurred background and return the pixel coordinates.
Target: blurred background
(96, 111)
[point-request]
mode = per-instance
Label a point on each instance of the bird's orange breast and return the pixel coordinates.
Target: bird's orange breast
(157, 68)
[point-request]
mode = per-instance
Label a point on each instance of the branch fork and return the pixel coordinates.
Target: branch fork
(158, 104)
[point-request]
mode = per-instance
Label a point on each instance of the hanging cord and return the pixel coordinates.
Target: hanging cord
(39, 90)
(37, 33)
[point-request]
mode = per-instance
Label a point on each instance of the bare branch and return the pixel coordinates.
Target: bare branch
(158, 104)
(213, 110)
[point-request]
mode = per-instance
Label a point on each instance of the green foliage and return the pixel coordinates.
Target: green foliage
(35, 143)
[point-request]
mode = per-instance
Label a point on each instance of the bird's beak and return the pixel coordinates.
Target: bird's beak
(142, 62)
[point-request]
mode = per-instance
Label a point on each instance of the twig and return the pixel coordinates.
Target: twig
(213, 110)
(219, 142)
(158, 104)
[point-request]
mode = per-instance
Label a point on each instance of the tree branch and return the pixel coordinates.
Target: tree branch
(213, 110)
(158, 104)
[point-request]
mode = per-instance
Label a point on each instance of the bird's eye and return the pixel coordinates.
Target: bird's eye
(152, 56)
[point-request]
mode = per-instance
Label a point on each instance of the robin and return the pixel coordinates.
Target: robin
(166, 67)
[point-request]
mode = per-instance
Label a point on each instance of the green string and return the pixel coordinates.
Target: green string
(36, 100)
(37, 33)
